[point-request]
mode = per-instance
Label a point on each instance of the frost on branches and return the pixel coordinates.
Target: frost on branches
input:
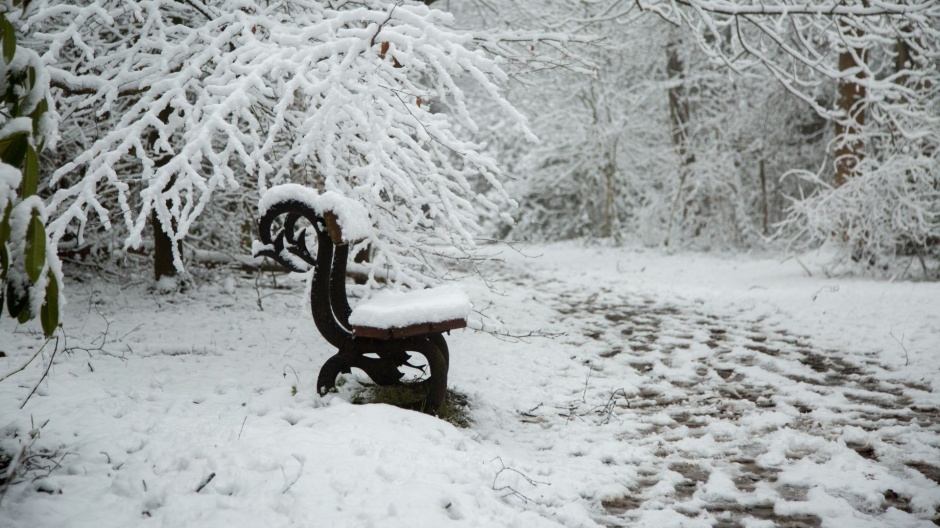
(167, 102)
(644, 138)
(873, 70)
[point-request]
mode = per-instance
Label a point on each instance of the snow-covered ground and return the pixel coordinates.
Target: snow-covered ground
(682, 390)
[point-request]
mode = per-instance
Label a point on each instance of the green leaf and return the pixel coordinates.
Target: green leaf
(5, 225)
(35, 247)
(17, 300)
(31, 75)
(49, 313)
(4, 236)
(5, 265)
(24, 315)
(13, 148)
(9, 39)
(30, 173)
(41, 108)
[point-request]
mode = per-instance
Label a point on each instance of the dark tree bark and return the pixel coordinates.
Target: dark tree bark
(162, 243)
(679, 119)
(678, 103)
(849, 145)
(162, 251)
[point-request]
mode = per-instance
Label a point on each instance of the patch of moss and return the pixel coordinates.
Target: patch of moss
(455, 409)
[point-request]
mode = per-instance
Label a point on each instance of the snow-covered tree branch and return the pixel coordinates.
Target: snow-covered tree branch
(869, 67)
(873, 8)
(368, 99)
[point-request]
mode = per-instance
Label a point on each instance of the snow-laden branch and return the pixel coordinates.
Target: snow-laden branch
(368, 100)
(869, 66)
(839, 8)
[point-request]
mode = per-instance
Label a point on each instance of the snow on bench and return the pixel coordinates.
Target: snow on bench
(394, 315)
(378, 336)
(352, 222)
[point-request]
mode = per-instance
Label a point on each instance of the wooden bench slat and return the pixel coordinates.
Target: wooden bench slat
(409, 331)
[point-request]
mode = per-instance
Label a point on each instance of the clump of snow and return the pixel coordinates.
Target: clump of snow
(166, 284)
(10, 178)
(352, 217)
(17, 125)
(258, 247)
(395, 309)
(228, 285)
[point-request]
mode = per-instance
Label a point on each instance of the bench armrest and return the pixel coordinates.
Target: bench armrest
(346, 219)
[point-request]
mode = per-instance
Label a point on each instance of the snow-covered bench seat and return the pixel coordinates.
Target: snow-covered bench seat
(393, 315)
(380, 336)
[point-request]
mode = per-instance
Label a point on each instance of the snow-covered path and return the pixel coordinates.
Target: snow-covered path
(729, 420)
(734, 395)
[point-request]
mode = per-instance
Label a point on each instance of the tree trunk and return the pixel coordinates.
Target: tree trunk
(763, 196)
(679, 119)
(908, 61)
(163, 265)
(162, 251)
(610, 175)
(849, 144)
(678, 103)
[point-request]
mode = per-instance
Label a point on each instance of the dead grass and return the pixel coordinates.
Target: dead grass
(455, 409)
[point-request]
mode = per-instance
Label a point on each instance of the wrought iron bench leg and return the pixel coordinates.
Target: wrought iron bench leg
(383, 370)
(441, 343)
(437, 381)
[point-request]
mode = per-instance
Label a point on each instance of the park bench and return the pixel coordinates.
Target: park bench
(380, 334)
